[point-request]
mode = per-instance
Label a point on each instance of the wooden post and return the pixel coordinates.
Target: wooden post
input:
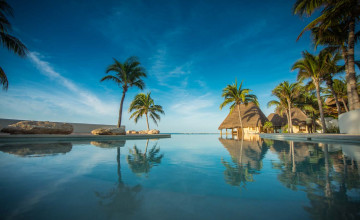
(221, 132)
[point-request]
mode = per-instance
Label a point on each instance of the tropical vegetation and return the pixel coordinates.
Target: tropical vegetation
(126, 75)
(8, 40)
(237, 95)
(143, 104)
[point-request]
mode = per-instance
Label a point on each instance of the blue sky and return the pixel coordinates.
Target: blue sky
(190, 49)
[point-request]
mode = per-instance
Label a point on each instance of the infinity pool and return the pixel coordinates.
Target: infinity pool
(184, 177)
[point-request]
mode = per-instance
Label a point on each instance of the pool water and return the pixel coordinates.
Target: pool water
(184, 177)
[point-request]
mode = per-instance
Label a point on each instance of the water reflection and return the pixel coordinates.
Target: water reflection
(108, 144)
(124, 200)
(36, 149)
(121, 200)
(330, 178)
(141, 163)
(246, 159)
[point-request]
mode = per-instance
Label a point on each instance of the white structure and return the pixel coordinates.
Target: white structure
(349, 122)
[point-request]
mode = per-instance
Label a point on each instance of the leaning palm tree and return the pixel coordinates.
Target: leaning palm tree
(7, 40)
(288, 93)
(235, 96)
(144, 105)
(334, 12)
(127, 75)
(314, 68)
(333, 69)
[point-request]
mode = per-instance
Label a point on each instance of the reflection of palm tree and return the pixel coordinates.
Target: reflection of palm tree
(315, 175)
(237, 173)
(141, 163)
(121, 200)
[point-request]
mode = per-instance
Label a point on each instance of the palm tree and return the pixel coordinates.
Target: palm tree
(308, 103)
(287, 93)
(314, 68)
(144, 105)
(9, 41)
(236, 96)
(280, 107)
(345, 13)
(333, 69)
(127, 75)
(340, 90)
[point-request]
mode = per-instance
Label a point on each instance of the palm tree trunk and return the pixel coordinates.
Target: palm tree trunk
(121, 107)
(353, 96)
(345, 106)
(327, 170)
(288, 119)
(147, 143)
(290, 127)
(118, 165)
(320, 106)
(147, 122)
(293, 156)
(330, 85)
(241, 124)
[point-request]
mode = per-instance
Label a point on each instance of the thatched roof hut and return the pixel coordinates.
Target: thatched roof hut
(298, 118)
(251, 116)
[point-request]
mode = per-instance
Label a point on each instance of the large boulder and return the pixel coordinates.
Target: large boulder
(109, 131)
(154, 131)
(38, 127)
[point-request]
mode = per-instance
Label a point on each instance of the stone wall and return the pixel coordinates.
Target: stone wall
(349, 122)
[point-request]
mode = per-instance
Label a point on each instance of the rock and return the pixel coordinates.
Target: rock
(38, 127)
(109, 131)
(143, 132)
(132, 132)
(154, 131)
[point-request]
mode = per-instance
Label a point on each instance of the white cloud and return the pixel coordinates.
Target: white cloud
(82, 96)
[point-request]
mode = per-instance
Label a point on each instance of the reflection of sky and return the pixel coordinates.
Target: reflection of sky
(189, 181)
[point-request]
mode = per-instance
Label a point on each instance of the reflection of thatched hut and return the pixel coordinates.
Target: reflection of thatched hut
(298, 121)
(36, 150)
(251, 152)
(253, 119)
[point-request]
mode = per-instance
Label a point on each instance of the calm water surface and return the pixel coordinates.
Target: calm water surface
(185, 177)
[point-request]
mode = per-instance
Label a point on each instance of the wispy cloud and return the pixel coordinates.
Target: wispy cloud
(83, 96)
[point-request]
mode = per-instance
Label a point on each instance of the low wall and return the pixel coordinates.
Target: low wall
(349, 122)
(78, 127)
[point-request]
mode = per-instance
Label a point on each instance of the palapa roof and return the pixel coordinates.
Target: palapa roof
(298, 118)
(251, 116)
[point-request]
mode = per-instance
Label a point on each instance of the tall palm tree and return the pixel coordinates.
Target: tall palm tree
(144, 105)
(334, 12)
(287, 93)
(235, 96)
(333, 69)
(314, 68)
(7, 40)
(127, 75)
